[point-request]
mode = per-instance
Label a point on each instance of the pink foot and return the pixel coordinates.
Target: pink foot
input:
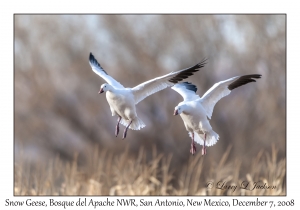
(193, 148)
(125, 131)
(117, 127)
(125, 134)
(117, 130)
(203, 150)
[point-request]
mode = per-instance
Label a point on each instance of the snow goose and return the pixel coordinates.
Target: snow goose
(122, 101)
(194, 110)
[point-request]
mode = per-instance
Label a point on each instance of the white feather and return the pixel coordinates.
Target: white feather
(122, 101)
(101, 72)
(188, 95)
(136, 124)
(214, 94)
(195, 110)
(210, 139)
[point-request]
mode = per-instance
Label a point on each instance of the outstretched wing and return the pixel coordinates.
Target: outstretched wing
(96, 67)
(222, 89)
(149, 87)
(186, 90)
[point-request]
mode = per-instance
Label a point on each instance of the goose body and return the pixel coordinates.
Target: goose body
(196, 112)
(123, 101)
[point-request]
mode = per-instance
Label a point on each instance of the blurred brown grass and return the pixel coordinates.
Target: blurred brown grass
(124, 174)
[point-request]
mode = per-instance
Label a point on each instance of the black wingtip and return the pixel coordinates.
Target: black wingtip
(204, 61)
(243, 80)
(185, 73)
(91, 56)
(190, 86)
(93, 61)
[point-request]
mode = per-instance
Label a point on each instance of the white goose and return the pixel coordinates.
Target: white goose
(122, 101)
(194, 110)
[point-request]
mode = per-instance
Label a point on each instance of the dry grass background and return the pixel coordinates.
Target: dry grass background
(123, 174)
(64, 133)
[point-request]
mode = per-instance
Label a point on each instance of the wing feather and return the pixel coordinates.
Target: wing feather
(152, 86)
(96, 67)
(222, 89)
(186, 90)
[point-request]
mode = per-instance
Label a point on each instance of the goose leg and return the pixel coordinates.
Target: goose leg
(193, 146)
(204, 147)
(125, 131)
(117, 126)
